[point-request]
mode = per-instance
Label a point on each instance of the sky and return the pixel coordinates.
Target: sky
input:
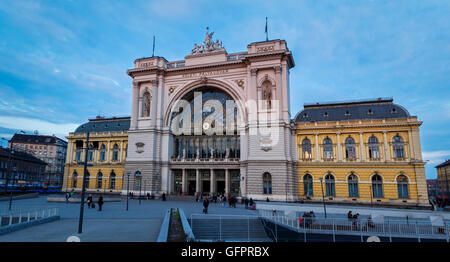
(64, 61)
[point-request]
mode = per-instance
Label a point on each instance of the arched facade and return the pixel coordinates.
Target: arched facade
(178, 163)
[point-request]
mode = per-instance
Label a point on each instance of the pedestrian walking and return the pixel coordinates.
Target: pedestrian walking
(246, 203)
(89, 200)
(163, 196)
(350, 215)
(205, 205)
(67, 197)
(100, 203)
(251, 203)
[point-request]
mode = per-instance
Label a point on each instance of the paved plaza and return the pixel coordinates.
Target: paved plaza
(142, 222)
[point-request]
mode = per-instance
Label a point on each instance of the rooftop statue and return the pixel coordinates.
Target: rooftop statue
(209, 44)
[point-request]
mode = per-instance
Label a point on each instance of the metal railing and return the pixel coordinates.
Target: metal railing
(227, 228)
(22, 216)
(334, 227)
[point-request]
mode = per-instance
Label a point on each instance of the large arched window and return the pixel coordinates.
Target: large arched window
(308, 185)
(374, 148)
(353, 185)
(90, 153)
(102, 152)
(398, 146)
(350, 148)
(74, 179)
(87, 179)
(330, 185)
(99, 179)
(377, 186)
(115, 152)
(112, 180)
(402, 186)
(78, 154)
(267, 183)
(306, 148)
(137, 180)
(327, 148)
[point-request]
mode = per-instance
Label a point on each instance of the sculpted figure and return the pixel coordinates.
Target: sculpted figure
(146, 112)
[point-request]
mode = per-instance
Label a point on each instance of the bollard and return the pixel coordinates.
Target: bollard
(28, 216)
(20, 217)
(10, 220)
(35, 215)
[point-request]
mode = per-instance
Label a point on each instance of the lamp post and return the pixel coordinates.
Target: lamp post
(323, 198)
(371, 194)
(83, 190)
(11, 151)
(140, 188)
(128, 187)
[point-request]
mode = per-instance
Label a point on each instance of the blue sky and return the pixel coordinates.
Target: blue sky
(62, 61)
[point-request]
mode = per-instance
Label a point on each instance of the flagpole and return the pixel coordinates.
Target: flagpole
(153, 53)
(267, 34)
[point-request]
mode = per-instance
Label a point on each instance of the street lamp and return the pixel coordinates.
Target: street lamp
(11, 151)
(128, 187)
(371, 194)
(140, 187)
(323, 198)
(83, 190)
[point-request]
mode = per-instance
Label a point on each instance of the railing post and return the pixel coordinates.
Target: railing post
(220, 227)
(35, 214)
(334, 236)
(390, 235)
(446, 231)
(248, 228)
(417, 232)
(28, 216)
(10, 220)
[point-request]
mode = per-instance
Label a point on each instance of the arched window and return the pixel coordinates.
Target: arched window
(398, 147)
(308, 185)
(350, 149)
(374, 148)
(90, 153)
(146, 104)
(102, 152)
(78, 154)
(112, 180)
(267, 183)
(402, 186)
(377, 186)
(329, 185)
(115, 152)
(137, 180)
(87, 179)
(353, 185)
(99, 179)
(306, 148)
(327, 148)
(74, 180)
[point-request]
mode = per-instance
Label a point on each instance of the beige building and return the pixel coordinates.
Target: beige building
(443, 176)
(50, 149)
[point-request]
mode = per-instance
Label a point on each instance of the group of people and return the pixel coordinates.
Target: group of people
(207, 198)
(249, 203)
(354, 218)
(307, 218)
(91, 204)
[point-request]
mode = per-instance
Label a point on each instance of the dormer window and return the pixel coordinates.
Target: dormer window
(393, 111)
(370, 112)
(305, 115)
(347, 113)
(325, 114)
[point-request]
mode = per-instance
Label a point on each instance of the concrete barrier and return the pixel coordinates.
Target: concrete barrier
(164, 231)
(186, 227)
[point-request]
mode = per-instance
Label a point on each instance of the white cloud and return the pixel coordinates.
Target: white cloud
(436, 157)
(44, 127)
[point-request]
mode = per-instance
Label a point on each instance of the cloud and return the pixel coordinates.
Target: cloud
(436, 157)
(44, 127)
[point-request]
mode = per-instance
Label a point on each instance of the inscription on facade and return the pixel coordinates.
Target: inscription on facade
(264, 49)
(145, 64)
(208, 73)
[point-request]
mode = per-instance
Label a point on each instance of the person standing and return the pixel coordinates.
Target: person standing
(67, 197)
(251, 203)
(205, 205)
(163, 196)
(100, 203)
(89, 200)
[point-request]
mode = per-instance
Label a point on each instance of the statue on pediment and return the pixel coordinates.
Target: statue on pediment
(209, 44)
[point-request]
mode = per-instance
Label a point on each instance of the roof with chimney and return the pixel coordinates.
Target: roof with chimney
(37, 139)
(103, 124)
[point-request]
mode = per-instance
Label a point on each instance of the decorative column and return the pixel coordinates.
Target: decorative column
(227, 182)
(339, 149)
(197, 181)
(386, 147)
(411, 151)
(183, 181)
(212, 182)
(317, 148)
(361, 147)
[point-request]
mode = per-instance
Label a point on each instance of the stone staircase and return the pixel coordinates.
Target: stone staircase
(216, 228)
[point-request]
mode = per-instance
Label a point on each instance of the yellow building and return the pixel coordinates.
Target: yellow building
(360, 152)
(108, 141)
